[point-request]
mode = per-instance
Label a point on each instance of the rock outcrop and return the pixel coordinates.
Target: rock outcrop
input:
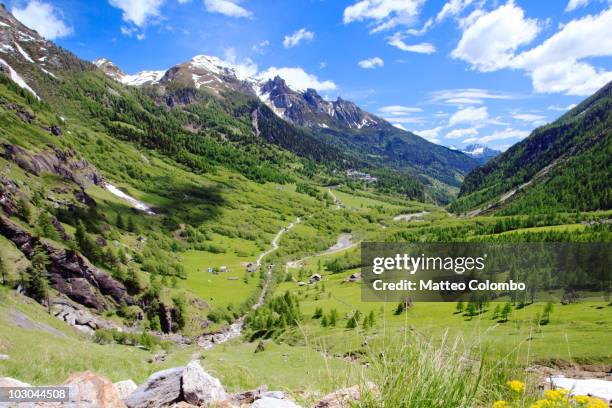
(63, 163)
(90, 390)
(80, 318)
(69, 272)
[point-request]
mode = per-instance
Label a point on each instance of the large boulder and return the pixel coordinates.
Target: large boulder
(274, 400)
(11, 382)
(90, 390)
(199, 387)
(125, 388)
(160, 390)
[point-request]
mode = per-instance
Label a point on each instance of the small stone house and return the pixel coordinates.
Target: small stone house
(315, 278)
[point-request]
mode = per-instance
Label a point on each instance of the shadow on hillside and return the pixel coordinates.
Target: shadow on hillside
(191, 204)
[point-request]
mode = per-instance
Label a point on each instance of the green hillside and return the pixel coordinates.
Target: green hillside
(562, 166)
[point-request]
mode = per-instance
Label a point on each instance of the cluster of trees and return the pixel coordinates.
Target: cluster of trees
(331, 319)
(275, 315)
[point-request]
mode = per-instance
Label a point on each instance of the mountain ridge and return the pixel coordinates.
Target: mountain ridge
(561, 166)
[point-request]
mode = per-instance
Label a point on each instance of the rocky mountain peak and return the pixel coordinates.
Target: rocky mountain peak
(109, 68)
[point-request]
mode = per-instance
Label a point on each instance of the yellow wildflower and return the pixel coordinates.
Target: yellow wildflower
(582, 399)
(501, 404)
(543, 403)
(559, 394)
(516, 385)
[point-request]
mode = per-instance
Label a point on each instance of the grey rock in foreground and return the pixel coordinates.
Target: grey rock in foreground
(199, 387)
(160, 390)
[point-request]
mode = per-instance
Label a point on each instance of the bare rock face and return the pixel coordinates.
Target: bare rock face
(345, 397)
(160, 390)
(125, 388)
(69, 272)
(199, 387)
(63, 163)
(90, 390)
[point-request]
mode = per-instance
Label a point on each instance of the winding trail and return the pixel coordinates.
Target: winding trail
(337, 201)
(234, 330)
(345, 241)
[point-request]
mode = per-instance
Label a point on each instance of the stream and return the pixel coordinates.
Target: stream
(234, 330)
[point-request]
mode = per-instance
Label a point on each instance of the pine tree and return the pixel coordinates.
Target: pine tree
(399, 309)
(132, 226)
(37, 285)
(45, 227)
(119, 222)
(505, 313)
(459, 307)
(24, 210)
(3, 270)
(333, 317)
(324, 321)
(371, 319)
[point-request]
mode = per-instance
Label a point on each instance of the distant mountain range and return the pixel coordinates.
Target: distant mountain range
(341, 124)
(479, 152)
(563, 166)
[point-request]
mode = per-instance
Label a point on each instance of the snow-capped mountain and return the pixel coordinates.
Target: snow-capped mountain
(308, 108)
(479, 152)
(212, 74)
(141, 78)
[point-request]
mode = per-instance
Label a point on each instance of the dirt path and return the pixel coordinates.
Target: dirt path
(345, 241)
(337, 201)
(234, 330)
(408, 217)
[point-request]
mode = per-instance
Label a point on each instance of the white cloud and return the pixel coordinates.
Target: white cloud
(431, 134)
(489, 40)
(138, 11)
(469, 115)
(298, 36)
(322, 64)
(574, 4)
(561, 108)
(244, 69)
(384, 14)
(43, 18)
(468, 96)
(531, 118)
(398, 110)
(508, 133)
(228, 8)
(459, 133)
(371, 63)
(397, 40)
(261, 46)
(452, 8)
(297, 78)
(555, 64)
(404, 119)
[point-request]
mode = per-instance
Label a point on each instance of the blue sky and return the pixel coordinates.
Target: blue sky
(456, 72)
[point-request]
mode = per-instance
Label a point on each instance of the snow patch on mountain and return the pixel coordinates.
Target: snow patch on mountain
(17, 78)
(142, 78)
(23, 53)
